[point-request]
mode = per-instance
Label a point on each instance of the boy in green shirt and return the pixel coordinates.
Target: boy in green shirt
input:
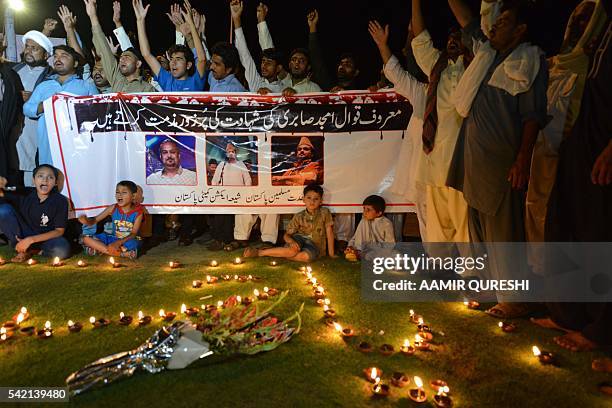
(309, 233)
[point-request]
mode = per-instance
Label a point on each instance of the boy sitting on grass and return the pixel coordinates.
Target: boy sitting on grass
(126, 217)
(373, 228)
(309, 233)
(34, 219)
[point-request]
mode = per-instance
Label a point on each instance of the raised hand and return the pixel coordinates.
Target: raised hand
(140, 10)
(49, 27)
(117, 13)
(187, 13)
(262, 12)
(90, 7)
(236, 8)
(114, 48)
(67, 18)
(199, 20)
(313, 19)
(379, 34)
(175, 15)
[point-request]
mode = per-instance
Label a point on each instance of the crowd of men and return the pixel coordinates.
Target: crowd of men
(504, 144)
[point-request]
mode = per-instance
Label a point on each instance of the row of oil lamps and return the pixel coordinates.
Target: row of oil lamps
(9, 328)
(57, 262)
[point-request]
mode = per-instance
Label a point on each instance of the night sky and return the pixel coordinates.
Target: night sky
(342, 23)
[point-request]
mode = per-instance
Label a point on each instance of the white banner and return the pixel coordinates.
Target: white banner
(266, 148)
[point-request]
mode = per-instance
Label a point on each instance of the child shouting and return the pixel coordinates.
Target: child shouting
(126, 217)
(34, 219)
(309, 233)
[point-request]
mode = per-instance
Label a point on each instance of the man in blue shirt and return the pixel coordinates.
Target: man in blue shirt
(181, 77)
(224, 63)
(66, 80)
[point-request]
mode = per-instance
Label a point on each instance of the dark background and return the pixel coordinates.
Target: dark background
(342, 23)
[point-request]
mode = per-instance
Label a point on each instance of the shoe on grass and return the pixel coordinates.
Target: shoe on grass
(20, 257)
(250, 252)
(215, 246)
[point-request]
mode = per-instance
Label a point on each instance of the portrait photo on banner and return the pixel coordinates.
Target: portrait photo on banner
(232, 161)
(297, 160)
(171, 160)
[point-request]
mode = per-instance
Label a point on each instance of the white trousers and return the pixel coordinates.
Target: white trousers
(244, 224)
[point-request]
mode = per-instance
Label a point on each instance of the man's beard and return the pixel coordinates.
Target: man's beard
(40, 63)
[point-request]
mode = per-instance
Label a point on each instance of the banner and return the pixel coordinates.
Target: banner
(228, 153)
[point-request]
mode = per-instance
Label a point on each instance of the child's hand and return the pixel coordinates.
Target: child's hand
(23, 244)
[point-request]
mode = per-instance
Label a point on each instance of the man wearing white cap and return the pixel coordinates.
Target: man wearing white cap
(33, 69)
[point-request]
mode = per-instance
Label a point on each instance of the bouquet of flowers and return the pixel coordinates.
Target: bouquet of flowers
(230, 329)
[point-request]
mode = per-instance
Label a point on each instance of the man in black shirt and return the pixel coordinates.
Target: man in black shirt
(35, 218)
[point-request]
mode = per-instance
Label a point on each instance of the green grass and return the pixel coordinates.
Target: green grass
(484, 367)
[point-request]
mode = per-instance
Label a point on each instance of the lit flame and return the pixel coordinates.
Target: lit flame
(309, 275)
(235, 277)
(337, 327)
(256, 293)
(20, 318)
(48, 333)
(70, 323)
(420, 321)
(207, 278)
(443, 390)
(237, 260)
(121, 315)
(327, 301)
(3, 337)
(23, 310)
(183, 308)
(465, 302)
(92, 320)
(56, 260)
(111, 260)
(162, 313)
(308, 269)
(30, 261)
(171, 264)
(80, 262)
(266, 289)
(321, 289)
(411, 313)
(418, 382)
(325, 308)
(374, 373)
(406, 343)
(250, 277)
(238, 299)
(220, 303)
(500, 324)
(536, 351)
(47, 325)
(2, 330)
(213, 263)
(417, 338)
(314, 281)
(140, 314)
(194, 283)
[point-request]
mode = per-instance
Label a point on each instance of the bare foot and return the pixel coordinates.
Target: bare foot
(575, 341)
(548, 323)
(603, 365)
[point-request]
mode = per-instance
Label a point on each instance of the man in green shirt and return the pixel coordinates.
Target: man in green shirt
(124, 76)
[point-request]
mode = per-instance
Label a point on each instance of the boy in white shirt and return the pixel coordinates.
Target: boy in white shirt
(373, 228)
